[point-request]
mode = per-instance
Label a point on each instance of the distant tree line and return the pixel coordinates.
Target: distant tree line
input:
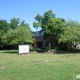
(64, 34)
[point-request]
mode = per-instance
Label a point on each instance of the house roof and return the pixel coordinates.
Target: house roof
(37, 33)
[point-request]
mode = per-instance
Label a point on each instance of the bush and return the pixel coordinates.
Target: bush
(48, 48)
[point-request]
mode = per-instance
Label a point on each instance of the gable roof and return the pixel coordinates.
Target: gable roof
(37, 33)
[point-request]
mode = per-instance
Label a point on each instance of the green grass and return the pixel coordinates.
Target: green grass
(38, 66)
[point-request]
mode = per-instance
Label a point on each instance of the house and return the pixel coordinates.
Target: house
(40, 42)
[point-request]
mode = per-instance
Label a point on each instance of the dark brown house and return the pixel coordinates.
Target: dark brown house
(39, 40)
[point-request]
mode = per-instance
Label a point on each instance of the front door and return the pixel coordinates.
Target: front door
(39, 45)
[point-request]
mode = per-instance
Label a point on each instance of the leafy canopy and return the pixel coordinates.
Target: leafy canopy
(19, 35)
(49, 23)
(57, 28)
(71, 32)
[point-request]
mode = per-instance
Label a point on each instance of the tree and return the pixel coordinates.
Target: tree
(24, 24)
(71, 34)
(14, 23)
(4, 27)
(14, 33)
(52, 26)
(18, 36)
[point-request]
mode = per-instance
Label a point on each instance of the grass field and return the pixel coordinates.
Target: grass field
(38, 66)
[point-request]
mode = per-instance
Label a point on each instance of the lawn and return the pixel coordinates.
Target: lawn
(38, 66)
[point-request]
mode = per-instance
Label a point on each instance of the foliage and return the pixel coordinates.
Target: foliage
(14, 23)
(57, 30)
(49, 23)
(18, 36)
(4, 27)
(48, 48)
(15, 32)
(71, 34)
(52, 26)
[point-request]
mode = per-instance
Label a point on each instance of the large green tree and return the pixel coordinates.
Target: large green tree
(18, 36)
(14, 23)
(18, 33)
(52, 26)
(4, 27)
(71, 34)
(57, 30)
